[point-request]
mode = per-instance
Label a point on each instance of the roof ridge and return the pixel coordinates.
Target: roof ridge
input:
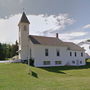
(43, 36)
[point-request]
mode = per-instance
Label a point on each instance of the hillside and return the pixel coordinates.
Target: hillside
(16, 77)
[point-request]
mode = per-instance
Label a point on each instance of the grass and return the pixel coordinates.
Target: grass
(16, 77)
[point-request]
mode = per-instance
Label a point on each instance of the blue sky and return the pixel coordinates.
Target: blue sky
(46, 16)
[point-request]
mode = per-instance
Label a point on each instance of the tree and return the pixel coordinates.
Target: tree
(2, 55)
(8, 51)
(15, 49)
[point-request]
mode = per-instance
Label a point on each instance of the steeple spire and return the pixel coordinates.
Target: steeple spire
(24, 19)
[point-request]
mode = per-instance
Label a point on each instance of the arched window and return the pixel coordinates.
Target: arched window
(25, 28)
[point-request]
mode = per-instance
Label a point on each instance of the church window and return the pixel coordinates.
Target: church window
(73, 62)
(46, 52)
(57, 62)
(70, 53)
(46, 62)
(25, 28)
(80, 62)
(82, 54)
(75, 54)
(68, 48)
(58, 52)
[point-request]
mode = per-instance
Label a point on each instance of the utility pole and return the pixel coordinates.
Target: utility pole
(29, 71)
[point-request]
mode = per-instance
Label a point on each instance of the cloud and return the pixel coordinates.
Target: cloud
(39, 25)
(86, 26)
(9, 29)
(73, 36)
(21, 1)
(57, 23)
(76, 34)
(76, 40)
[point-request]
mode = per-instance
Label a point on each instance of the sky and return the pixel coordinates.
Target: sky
(69, 18)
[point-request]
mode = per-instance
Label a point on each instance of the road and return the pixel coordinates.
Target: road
(6, 61)
(11, 61)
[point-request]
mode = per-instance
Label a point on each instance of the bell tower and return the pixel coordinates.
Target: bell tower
(24, 37)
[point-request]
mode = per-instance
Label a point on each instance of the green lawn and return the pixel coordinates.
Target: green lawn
(16, 77)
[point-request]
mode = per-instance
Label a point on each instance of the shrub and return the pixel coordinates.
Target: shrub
(32, 62)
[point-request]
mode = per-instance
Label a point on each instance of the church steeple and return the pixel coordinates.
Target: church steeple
(24, 19)
(23, 37)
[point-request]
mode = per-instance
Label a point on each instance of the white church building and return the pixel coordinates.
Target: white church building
(47, 51)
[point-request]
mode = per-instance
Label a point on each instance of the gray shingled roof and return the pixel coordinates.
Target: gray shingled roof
(24, 19)
(73, 46)
(53, 41)
(42, 40)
